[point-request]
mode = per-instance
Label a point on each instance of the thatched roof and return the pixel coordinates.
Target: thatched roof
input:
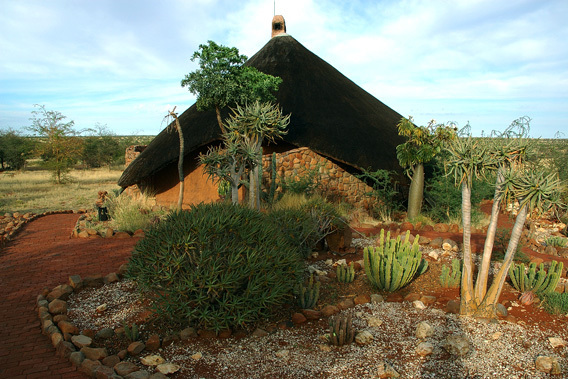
(330, 115)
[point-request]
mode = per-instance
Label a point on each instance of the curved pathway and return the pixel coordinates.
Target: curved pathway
(43, 256)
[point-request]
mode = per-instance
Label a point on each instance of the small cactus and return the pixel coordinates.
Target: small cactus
(538, 282)
(345, 273)
(451, 276)
(341, 330)
(131, 332)
(308, 295)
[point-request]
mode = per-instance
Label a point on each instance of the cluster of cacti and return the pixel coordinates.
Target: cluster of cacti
(345, 273)
(341, 330)
(538, 282)
(131, 332)
(308, 295)
(556, 241)
(451, 276)
(270, 196)
(394, 263)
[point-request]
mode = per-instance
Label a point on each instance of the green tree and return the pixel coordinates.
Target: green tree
(100, 148)
(14, 149)
(223, 80)
(422, 145)
(471, 158)
(60, 147)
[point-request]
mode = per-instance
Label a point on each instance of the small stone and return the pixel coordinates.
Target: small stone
(197, 356)
(203, 333)
(95, 353)
(376, 298)
(374, 322)
(121, 235)
(104, 372)
(436, 243)
(364, 337)
(453, 306)
(424, 330)
(170, 339)
(298, 318)
(153, 342)
(187, 333)
(58, 318)
(67, 327)
(58, 306)
(101, 308)
(449, 245)
(282, 353)
(456, 345)
(435, 256)
(418, 304)
(125, 368)
(259, 333)
(88, 366)
(428, 300)
(76, 358)
(64, 349)
(311, 314)
(423, 240)
(412, 297)
(111, 278)
(157, 375)
(81, 341)
(152, 360)
(549, 365)
(75, 281)
(424, 349)
(324, 347)
(111, 360)
(61, 292)
(136, 348)
(346, 304)
(93, 281)
(495, 336)
(138, 375)
(122, 354)
(362, 299)
(556, 342)
(385, 370)
(329, 310)
(168, 368)
(501, 310)
(226, 333)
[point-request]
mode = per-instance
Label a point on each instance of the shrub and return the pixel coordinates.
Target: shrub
(556, 241)
(129, 214)
(216, 266)
(394, 263)
(556, 303)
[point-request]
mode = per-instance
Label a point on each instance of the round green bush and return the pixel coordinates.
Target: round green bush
(216, 266)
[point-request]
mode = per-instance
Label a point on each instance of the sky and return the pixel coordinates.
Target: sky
(119, 63)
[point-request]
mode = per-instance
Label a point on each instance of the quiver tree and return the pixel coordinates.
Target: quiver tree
(532, 189)
(422, 145)
(177, 127)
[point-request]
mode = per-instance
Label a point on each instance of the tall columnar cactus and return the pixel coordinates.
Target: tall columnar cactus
(394, 263)
(308, 295)
(538, 282)
(345, 273)
(341, 330)
(270, 196)
(451, 276)
(131, 332)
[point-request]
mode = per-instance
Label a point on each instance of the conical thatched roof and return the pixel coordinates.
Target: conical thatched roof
(330, 115)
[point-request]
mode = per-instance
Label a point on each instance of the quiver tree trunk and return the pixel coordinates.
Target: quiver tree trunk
(416, 191)
(468, 304)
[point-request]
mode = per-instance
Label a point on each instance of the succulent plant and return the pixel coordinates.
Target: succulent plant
(538, 282)
(131, 332)
(451, 276)
(308, 295)
(345, 273)
(341, 330)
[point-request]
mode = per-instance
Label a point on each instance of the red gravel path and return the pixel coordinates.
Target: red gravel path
(42, 255)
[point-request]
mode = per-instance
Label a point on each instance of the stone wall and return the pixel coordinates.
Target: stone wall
(334, 182)
(132, 152)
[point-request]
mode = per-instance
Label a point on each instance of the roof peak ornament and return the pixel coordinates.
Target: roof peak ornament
(278, 25)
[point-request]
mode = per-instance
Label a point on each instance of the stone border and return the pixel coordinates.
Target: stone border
(81, 231)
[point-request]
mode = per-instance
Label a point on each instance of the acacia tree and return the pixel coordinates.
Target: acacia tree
(14, 149)
(422, 145)
(60, 147)
(534, 190)
(223, 80)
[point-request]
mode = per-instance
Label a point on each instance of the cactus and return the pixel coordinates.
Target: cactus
(131, 332)
(341, 330)
(345, 273)
(451, 276)
(539, 282)
(556, 241)
(308, 295)
(394, 263)
(270, 196)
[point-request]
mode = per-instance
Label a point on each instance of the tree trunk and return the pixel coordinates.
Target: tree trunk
(483, 274)
(487, 306)
(180, 160)
(467, 302)
(416, 191)
(254, 181)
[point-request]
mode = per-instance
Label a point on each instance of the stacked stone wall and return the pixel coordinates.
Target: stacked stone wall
(132, 152)
(334, 182)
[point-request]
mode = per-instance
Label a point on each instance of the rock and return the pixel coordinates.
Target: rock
(424, 349)
(104, 372)
(75, 281)
(138, 375)
(435, 256)
(298, 318)
(374, 322)
(501, 310)
(329, 310)
(64, 349)
(412, 297)
(376, 298)
(95, 353)
(125, 368)
(111, 360)
(187, 333)
(93, 281)
(449, 245)
(109, 232)
(424, 330)
(67, 327)
(364, 337)
(453, 306)
(88, 366)
(259, 333)
(362, 299)
(406, 226)
(170, 339)
(346, 304)
(226, 333)
(324, 347)
(167, 368)
(428, 300)
(105, 333)
(57, 306)
(385, 370)
(436, 243)
(441, 228)
(153, 342)
(157, 375)
(121, 235)
(81, 341)
(152, 360)
(76, 358)
(549, 365)
(122, 269)
(202, 333)
(282, 353)
(122, 354)
(557, 342)
(311, 314)
(454, 228)
(423, 240)
(111, 278)
(197, 356)
(456, 345)
(61, 292)
(136, 348)
(58, 318)
(83, 234)
(418, 304)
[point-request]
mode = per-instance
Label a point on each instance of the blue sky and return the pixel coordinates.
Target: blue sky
(120, 62)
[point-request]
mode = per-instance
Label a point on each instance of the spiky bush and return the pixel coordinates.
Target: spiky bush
(216, 266)
(538, 282)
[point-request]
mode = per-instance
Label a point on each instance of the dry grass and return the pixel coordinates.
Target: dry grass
(35, 191)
